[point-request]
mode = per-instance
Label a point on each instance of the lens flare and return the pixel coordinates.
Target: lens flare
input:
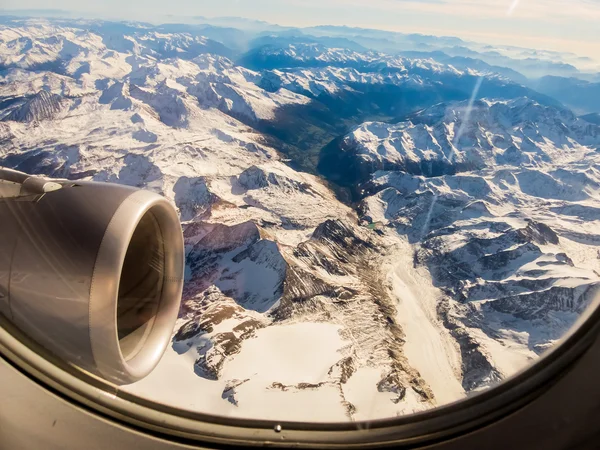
(455, 141)
(512, 7)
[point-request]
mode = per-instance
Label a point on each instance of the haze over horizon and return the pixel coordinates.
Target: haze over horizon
(539, 24)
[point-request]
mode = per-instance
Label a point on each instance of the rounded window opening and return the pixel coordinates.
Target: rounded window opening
(376, 222)
(140, 285)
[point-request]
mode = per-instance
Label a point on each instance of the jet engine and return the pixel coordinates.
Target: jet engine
(91, 271)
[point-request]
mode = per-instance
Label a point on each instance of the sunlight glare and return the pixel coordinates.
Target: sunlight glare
(512, 7)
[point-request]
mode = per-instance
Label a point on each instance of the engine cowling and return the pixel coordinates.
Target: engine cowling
(91, 271)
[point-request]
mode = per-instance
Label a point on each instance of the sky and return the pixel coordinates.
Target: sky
(563, 25)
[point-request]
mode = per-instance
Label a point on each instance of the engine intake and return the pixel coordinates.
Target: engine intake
(91, 271)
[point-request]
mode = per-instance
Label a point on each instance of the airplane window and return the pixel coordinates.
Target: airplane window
(311, 212)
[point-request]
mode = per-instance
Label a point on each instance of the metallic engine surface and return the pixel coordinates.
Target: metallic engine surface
(61, 261)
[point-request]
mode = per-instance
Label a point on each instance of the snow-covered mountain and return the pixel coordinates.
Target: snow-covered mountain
(369, 66)
(470, 251)
(349, 87)
(41, 106)
(465, 136)
(76, 46)
(532, 63)
(510, 241)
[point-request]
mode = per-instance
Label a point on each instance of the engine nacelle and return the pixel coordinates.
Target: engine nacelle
(91, 271)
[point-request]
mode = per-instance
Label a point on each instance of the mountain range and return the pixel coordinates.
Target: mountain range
(370, 230)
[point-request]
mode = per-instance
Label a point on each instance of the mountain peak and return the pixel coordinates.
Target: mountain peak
(42, 106)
